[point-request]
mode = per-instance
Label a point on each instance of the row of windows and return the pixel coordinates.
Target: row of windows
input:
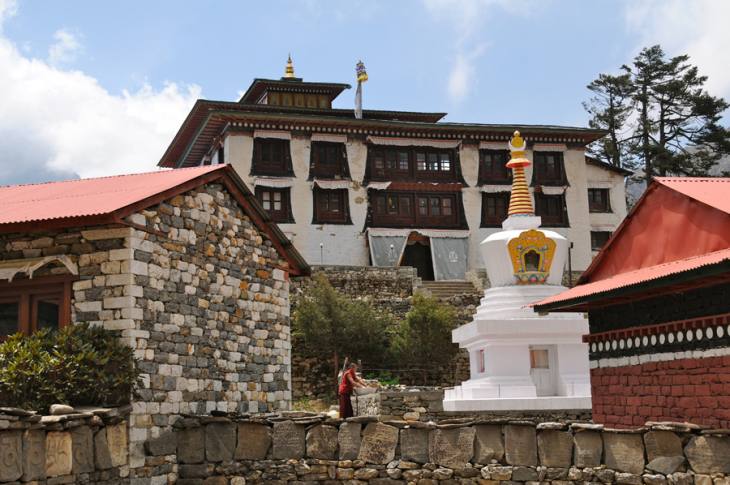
(415, 209)
(330, 206)
(551, 208)
(329, 160)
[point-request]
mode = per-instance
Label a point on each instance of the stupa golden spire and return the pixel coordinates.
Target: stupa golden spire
(520, 202)
(289, 71)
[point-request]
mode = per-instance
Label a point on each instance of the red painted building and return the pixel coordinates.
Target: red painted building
(658, 300)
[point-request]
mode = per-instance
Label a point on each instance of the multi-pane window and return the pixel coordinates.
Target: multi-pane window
(494, 208)
(552, 209)
(548, 169)
(331, 206)
(28, 306)
(402, 163)
(406, 209)
(599, 239)
(492, 167)
(271, 156)
(275, 201)
(598, 200)
(328, 160)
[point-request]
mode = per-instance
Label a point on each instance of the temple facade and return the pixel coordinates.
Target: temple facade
(390, 188)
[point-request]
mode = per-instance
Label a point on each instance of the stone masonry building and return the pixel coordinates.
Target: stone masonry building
(183, 264)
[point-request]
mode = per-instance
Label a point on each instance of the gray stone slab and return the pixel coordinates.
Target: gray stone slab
(82, 442)
(588, 448)
(666, 465)
(624, 452)
(488, 443)
(59, 453)
(662, 443)
(322, 442)
(11, 456)
(163, 445)
(378, 445)
(520, 445)
(555, 448)
(118, 441)
(34, 455)
(414, 445)
(451, 448)
(709, 454)
(289, 440)
(348, 440)
(102, 455)
(220, 442)
(254, 441)
(190, 447)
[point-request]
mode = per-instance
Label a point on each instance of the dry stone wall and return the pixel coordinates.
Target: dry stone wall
(302, 448)
(88, 446)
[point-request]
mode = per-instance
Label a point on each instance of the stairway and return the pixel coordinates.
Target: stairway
(446, 289)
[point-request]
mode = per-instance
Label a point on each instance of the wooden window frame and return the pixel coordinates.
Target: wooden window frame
(596, 247)
(540, 175)
(323, 216)
(283, 215)
(494, 172)
(600, 204)
(434, 217)
(327, 169)
(412, 172)
(497, 220)
(542, 202)
(26, 293)
(280, 168)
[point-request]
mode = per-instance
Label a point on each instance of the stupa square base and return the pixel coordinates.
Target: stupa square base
(551, 403)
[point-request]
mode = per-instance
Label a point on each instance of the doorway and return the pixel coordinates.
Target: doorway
(418, 255)
(542, 369)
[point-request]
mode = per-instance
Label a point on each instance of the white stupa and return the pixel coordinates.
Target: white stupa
(520, 360)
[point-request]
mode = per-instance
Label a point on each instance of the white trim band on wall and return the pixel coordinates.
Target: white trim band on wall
(494, 189)
(409, 142)
(329, 137)
(549, 147)
(277, 183)
(493, 145)
(332, 184)
(282, 135)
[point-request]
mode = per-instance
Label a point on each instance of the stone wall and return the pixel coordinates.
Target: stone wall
(89, 446)
(301, 448)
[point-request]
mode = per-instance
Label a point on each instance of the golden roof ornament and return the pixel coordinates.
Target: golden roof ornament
(520, 202)
(289, 70)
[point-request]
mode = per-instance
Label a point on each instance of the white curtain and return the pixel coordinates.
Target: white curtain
(449, 257)
(386, 250)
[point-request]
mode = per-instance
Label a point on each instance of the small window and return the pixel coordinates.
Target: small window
(599, 239)
(494, 208)
(331, 207)
(221, 156)
(403, 161)
(27, 306)
(481, 361)
(329, 160)
(552, 209)
(598, 200)
(275, 201)
(539, 359)
(548, 169)
(493, 167)
(271, 156)
(420, 161)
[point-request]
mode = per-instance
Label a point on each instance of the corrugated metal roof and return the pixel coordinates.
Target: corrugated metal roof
(631, 278)
(88, 197)
(713, 191)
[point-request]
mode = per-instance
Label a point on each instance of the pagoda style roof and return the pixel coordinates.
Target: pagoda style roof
(607, 166)
(260, 86)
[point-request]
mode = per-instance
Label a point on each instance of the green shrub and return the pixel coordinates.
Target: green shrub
(78, 365)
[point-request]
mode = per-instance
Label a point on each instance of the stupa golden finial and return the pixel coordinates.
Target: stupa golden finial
(520, 202)
(289, 71)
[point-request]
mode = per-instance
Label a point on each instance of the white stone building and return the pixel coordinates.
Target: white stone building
(395, 188)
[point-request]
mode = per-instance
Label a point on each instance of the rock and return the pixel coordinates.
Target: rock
(498, 472)
(442, 473)
(348, 440)
(322, 442)
(628, 479)
(378, 444)
(679, 478)
(488, 444)
(59, 453)
(189, 449)
(662, 443)
(650, 479)
(366, 473)
(163, 445)
(414, 445)
(11, 456)
(220, 442)
(524, 474)
(555, 448)
(451, 448)
(708, 454)
(703, 480)
(624, 452)
(82, 441)
(666, 464)
(61, 409)
(588, 447)
(34, 455)
(116, 437)
(520, 445)
(102, 455)
(254, 441)
(411, 416)
(289, 441)
(606, 476)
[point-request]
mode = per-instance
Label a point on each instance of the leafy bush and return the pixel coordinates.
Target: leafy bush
(78, 365)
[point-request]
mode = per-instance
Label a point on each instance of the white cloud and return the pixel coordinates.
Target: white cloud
(8, 8)
(463, 73)
(58, 123)
(65, 48)
(695, 27)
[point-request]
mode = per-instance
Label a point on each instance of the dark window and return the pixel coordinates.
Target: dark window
(221, 156)
(277, 202)
(548, 169)
(494, 208)
(28, 306)
(492, 167)
(398, 209)
(328, 160)
(271, 156)
(552, 210)
(402, 163)
(331, 207)
(598, 200)
(599, 239)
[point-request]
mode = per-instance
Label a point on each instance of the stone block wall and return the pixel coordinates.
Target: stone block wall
(89, 446)
(301, 448)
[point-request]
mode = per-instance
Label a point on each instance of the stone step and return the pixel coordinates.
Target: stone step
(446, 289)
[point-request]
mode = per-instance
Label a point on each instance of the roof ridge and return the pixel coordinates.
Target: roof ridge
(666, 263)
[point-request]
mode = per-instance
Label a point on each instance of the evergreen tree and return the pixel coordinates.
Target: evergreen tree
(610, 108)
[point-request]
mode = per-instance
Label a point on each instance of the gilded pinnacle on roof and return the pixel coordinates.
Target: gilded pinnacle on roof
(289, 71)
(520, 202)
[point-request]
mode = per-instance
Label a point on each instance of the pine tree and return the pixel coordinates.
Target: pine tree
(610, 108)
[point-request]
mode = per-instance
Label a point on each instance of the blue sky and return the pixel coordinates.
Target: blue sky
(95, 88)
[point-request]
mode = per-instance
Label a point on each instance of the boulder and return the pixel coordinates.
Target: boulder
(451, 448)
(254, 441)
(348, 440)
(520, 445)
(61, 409)
(624, 452)
(289, 440)
(662, 443)
(322, 442)
(414, 445)
(378, 445)
(488, 444)
(666, 465)
(555, 448)
(709, 454)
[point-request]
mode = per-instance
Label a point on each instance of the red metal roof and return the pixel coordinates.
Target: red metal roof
(713, 191)
(88, 197)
